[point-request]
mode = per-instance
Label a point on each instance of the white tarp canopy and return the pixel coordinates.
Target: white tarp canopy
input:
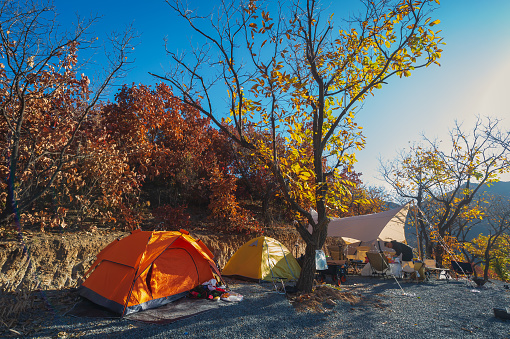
(384, 226)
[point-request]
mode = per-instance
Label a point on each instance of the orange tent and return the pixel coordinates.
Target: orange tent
(146, 270)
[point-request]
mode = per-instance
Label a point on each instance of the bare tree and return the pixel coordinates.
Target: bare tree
(44, 102)
(444, 179)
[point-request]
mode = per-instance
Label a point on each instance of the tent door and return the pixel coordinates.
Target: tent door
(174, 271)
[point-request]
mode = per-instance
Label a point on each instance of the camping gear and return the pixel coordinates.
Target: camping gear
(462, 268)
(337, 271)
(368, 230)
(263, 258)
(337, 266)
(407, 269)
(355, 266)
(231, 296)
(365, 233)
(356, 251)
(383, 226)
(419, 272)
(432, 270)
(208, 290)
(366, 270)
(378, 263)
(396, 269)
(169, 313)
(336, 252)
(147, 270)
(320, 260)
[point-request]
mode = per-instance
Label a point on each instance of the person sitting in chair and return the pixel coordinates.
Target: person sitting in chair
(400, 248)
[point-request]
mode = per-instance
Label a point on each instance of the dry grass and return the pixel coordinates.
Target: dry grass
(13, 305)
(25, 311)
(324, 297)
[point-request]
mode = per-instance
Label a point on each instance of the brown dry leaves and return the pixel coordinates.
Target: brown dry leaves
(322, 298)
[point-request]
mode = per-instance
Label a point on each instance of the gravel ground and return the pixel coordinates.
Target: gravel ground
(454, 309)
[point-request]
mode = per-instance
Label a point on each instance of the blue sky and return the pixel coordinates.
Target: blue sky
(472, 79)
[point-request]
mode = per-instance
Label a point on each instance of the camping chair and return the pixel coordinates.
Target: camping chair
(279, 285)
(352, 259)
(413, 270)
(335, 252)
(407, 269)
(419, 272)
(462, 269)
(378, 263)
(350, 252)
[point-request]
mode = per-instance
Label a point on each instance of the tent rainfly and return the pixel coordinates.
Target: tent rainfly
(147, 270)
(263, 258)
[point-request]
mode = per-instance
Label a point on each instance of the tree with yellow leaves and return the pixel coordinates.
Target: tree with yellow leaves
(492, 250)
(444, 180)
(290, 71)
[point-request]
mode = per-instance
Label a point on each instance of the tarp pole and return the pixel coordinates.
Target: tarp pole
(443, 243)
(417, 233)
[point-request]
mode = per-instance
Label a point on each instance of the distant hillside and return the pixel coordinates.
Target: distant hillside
(501, 188)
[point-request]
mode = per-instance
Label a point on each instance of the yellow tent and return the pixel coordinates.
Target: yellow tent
(263, 258)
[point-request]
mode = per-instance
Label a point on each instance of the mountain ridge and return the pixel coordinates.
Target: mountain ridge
(500, 188)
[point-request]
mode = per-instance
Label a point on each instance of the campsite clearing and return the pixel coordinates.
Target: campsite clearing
(377, 308)
(367, 307)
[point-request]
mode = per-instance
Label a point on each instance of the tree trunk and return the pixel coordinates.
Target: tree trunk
(313, 243)
(486, 271)
(439, 255)
(429, 249)
(305, 282)
(268, 218)
(487, 257)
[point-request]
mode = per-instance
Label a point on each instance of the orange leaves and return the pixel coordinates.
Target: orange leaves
(170, 218)
(225, 209)
(265, 16)
(177, 150)
(448, 242)
(143, 114)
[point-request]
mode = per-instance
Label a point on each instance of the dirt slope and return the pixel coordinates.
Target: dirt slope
(49, 261)
(53, 261)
